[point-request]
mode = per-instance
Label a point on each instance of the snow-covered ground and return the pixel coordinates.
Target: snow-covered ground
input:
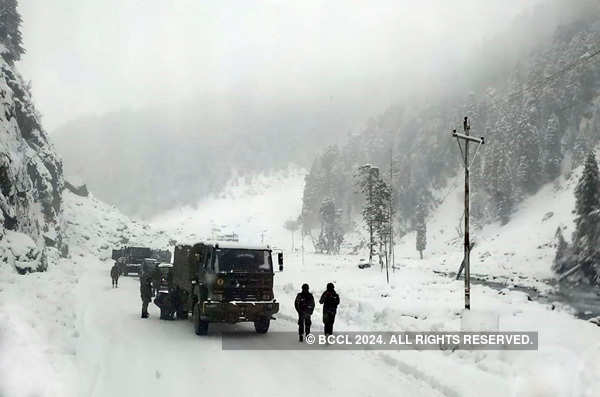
(67, 332)
(254, 208)
(521, 251)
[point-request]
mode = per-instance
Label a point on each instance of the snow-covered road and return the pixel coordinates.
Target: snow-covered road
(120, 354)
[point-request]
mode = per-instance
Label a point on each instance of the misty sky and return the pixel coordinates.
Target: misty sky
(95, 56)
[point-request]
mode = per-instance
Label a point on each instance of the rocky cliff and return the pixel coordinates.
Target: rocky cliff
(31, 181)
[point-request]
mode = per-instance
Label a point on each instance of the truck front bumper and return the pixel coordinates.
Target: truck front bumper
(238, 311)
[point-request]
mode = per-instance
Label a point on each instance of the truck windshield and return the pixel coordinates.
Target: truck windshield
(243, 260)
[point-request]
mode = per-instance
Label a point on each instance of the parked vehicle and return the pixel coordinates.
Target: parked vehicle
(223, 282)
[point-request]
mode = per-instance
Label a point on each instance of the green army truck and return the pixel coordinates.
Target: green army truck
(226, 283)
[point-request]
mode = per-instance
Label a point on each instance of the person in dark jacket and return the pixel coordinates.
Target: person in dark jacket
(115, 272)
(146, 294)
(330, 301)
(156, 275)
(305, 305)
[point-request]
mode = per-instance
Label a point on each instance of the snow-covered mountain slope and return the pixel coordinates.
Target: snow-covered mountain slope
(254, 208)
(31, 181)
(95, 228)
(522, 250)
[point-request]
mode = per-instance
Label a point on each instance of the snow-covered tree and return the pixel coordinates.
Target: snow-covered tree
(580, 149)
(10, 31)
(587, 210)
(331, 236)
(292, 226)
(553, 148)
(421, 227)
(528, 167)
(368, 176)
(563, 259)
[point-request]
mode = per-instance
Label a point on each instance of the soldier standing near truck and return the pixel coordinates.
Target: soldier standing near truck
(156, 275)
(146, 294)
(305, 305)
(330, 301)
(115, 272)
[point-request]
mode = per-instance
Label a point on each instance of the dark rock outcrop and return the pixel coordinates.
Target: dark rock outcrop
(31, 181)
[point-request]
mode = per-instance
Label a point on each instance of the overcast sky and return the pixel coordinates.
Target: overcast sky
(95, 56)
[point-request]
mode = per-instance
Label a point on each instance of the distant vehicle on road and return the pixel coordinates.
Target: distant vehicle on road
(162, 256)
(131, 259)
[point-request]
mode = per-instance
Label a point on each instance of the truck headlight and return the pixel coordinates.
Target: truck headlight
(267, 296)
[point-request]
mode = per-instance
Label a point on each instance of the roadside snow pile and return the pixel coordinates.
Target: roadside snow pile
(38, 331)
(95, 228)
(40, 313)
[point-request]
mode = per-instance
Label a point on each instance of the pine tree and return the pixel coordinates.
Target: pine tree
(529, 170)
(421, 227)
(580, 148)
(331, 236)
(553, 148)
(382, 195)
(10, 33)
(368, 176)
(587, 210)
(562, 259)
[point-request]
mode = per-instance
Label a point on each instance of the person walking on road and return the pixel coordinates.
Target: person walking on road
(146, 294)
(114, 274)
(305, 305)
(330, 301)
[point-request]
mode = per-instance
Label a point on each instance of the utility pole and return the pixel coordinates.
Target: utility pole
(391, 217)
(262, 237)
(466, 137)
(302, 232)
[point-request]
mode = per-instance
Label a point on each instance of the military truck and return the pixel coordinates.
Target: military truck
(163, 256)
(147, 267)
(131, 258)
(226, 283)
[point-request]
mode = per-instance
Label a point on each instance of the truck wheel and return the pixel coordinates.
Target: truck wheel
(262, 325)
(200, 326)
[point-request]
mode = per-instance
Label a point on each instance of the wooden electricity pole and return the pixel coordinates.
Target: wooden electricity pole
(466, 137)
(391, 217)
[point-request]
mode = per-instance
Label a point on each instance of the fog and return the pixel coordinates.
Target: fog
(91, 57)
(155, 104)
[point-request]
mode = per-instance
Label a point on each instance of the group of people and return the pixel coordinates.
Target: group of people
(305, 306)
(168, 299)
(149, 287)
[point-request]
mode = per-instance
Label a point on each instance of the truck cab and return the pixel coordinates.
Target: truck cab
(227, 283)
